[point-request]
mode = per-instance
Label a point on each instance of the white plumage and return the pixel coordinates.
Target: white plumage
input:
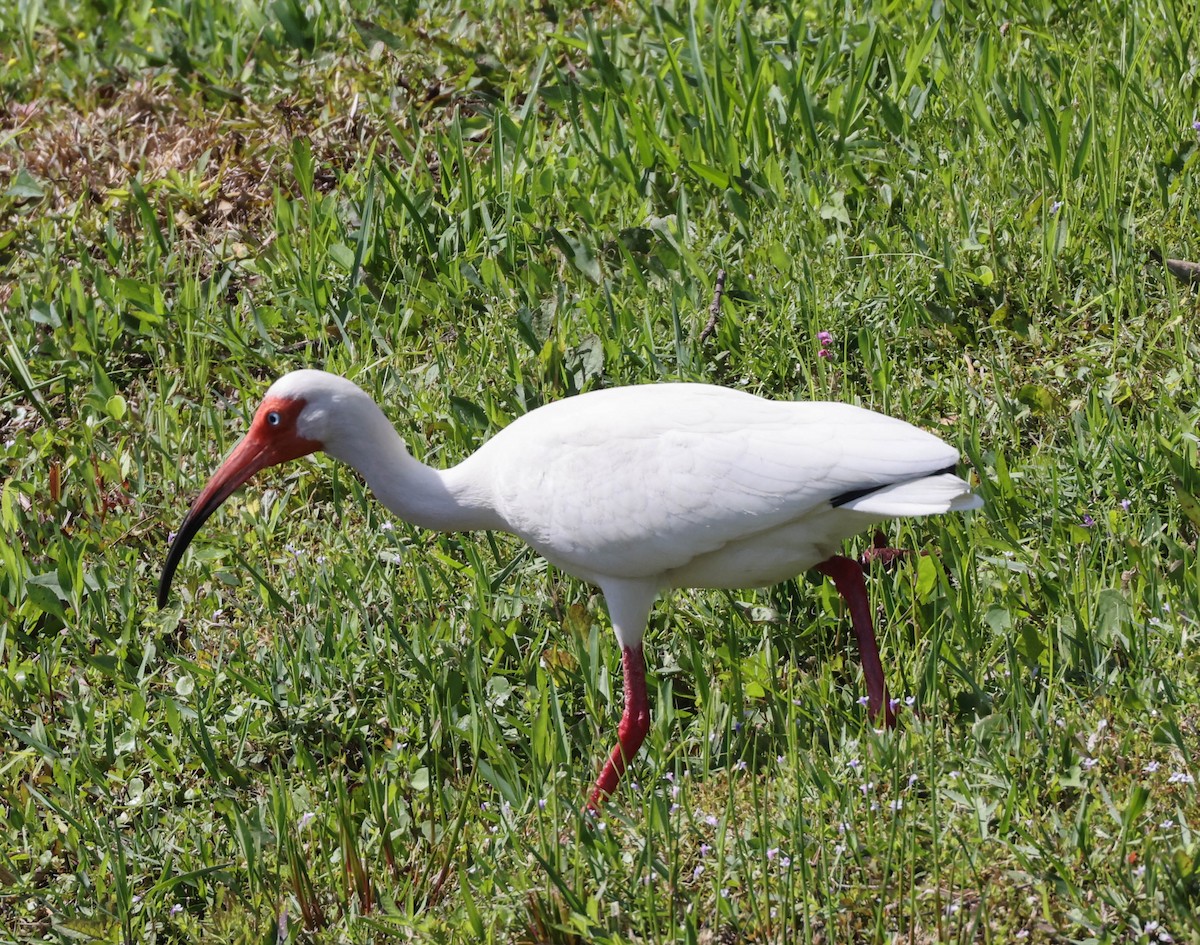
(635, 489)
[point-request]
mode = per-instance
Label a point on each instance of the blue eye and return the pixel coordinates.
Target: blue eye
(273, 418)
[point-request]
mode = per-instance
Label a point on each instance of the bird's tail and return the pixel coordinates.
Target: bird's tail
(932, 495)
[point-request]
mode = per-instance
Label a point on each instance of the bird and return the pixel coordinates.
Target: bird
(639, 490)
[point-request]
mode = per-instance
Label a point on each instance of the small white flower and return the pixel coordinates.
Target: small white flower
(1180, 777)
(1089, 763)
(306, 818)
(1150, 767)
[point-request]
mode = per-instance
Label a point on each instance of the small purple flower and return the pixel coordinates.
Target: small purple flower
(1151, 767)
(825, 338)
(176, 909)
(824, 353)
(541, 803)
(1125, 504)
(785, 862)
(1196, 125)
(697, 871)
(711, 820)
(863, 700)
(306, 818)
(1088, 521)
(772, 853)
(1181, 777)
(1055, 206)
(705, 849)
(741, 765)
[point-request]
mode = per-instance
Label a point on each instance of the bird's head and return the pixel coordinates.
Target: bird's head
(299, 415)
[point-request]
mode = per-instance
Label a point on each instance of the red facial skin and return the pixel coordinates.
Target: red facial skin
(266, 444)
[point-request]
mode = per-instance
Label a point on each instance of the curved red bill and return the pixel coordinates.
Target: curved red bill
(265, 445)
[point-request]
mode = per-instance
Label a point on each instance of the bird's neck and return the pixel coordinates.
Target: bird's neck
(444, 500)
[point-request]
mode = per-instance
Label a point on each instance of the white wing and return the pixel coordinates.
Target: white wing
(633, 482)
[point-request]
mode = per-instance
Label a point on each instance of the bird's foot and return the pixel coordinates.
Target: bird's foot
(881, 552)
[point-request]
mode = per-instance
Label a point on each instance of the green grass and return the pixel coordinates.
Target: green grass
(347, 729)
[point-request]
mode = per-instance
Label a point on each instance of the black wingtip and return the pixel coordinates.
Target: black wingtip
(839, 500)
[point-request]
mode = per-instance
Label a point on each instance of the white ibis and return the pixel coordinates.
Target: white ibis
(637, 490)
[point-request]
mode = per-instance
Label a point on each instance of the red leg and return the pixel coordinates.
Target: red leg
(847, 577)
(635, 723)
